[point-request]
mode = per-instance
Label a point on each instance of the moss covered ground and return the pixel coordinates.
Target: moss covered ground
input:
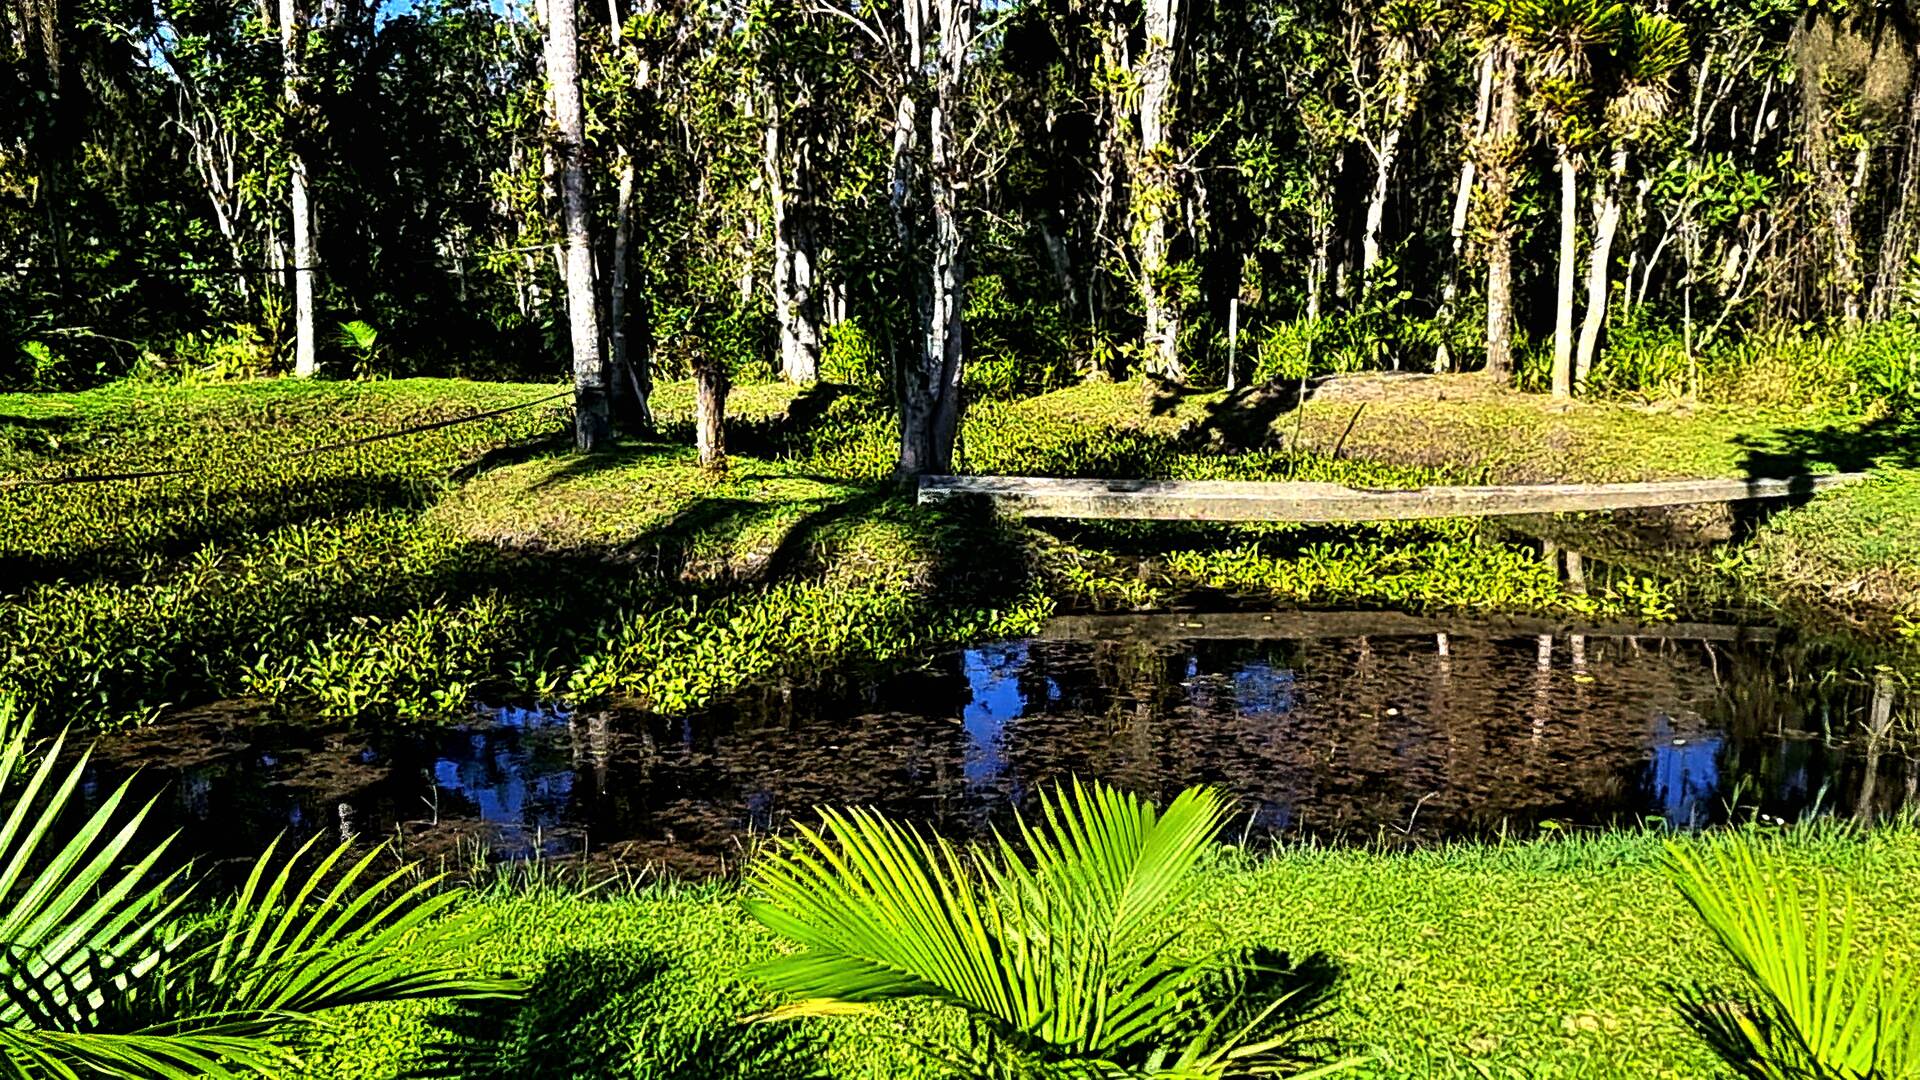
(1551, 958)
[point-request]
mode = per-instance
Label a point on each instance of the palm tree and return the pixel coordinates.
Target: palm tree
(1649, 49)
(1560, 38)
(1494, 154)
(100, 981)
(1059, 956)
(1817, 1004)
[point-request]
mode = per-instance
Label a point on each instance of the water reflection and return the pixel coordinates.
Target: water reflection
(1407, 731)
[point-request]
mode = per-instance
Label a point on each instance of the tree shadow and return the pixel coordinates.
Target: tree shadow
(1244, 419)
(1887, 442)
(185, 523)
(514, 453)
(1891, 441)
(620, 1011)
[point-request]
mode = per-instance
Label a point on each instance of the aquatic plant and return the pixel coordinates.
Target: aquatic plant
(1818, 1000)
(107, 974)
(1058, 951)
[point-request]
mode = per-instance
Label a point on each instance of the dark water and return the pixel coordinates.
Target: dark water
(1340, 727)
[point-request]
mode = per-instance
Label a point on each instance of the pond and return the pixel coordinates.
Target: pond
(1342, 727)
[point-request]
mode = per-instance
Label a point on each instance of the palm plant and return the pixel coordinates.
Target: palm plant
(98, 979)
(362, 339)
(1560, 38)
(1817, 1004)
(1061, 958)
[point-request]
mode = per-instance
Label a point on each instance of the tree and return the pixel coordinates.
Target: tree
(592, 423)
(306, 258)
(930, 403)
(786, 94)
(1496, 154)
(1399, 35)
(1648, 50)
(1560, 37)
(1156, 195)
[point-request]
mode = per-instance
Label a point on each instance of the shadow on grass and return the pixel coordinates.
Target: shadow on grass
(1888, 442)
(556, 606)
(184, 521)
(624, 1011)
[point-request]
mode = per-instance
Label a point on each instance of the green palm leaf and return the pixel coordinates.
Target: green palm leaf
(1060, 954)
(1819, 1005)
(91, 987)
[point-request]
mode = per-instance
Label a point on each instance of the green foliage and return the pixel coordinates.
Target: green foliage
(1849, 369)
(361, 340)
(1818, 999)
(1059, 951)
(851, 356)
(101, 982)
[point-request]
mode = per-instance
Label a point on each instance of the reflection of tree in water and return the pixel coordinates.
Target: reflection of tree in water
(1432, 734)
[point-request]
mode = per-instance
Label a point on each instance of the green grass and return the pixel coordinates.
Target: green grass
(1541, 959)
(1859, 546)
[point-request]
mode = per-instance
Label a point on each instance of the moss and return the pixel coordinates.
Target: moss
(1550, 958)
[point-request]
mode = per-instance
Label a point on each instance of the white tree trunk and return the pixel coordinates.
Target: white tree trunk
(1155, 188)
(930, 409)
(1377, 203)
(1606, 224)
(592, 423)
(622, 365)
(1503, 130)
(306, 362)
(796, 308)
(1563, 299)
(1462, 202)
(639, 374)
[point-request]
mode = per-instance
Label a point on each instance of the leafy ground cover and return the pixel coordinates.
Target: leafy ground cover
(1852, 549)
(1551, 958)
(402, 575)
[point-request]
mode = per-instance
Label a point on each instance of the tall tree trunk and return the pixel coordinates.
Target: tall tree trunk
(592, 420)
(1383, 157)
(930, 409)
(1563, 298)
(796, 308)
(638, 374)
(629, 379)
(1498, 152)
(1606, 224)
(1317, 270)
(710, 413)
(1155, 189)
(1897, 246)
(1462, 202)
(292, 42)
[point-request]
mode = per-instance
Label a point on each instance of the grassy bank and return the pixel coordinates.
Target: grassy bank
(1850, 550)
(1544, 959)
(333, 547)
(328, 546)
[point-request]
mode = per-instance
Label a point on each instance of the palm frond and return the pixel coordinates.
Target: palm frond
(1058, 948)
(90, 986)
(1819, 1004)
(71, 901)
(359, 335)
(299, 941)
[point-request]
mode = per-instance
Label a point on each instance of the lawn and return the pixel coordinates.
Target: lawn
(1550, 958)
